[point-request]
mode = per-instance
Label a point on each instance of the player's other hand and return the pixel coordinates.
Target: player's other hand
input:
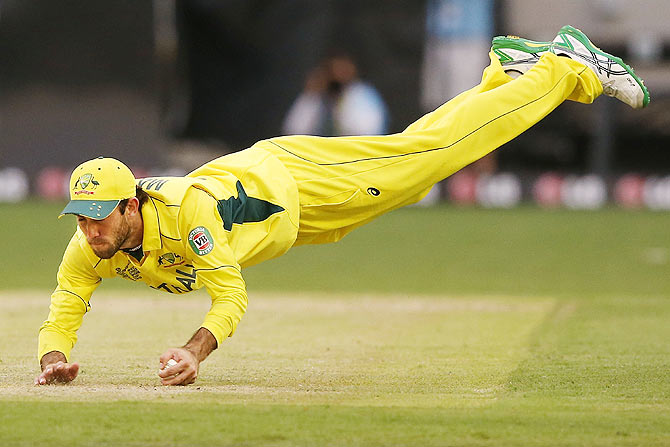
(59, 372)
(184, 372)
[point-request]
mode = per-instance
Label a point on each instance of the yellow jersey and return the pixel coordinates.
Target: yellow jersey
(199, 231)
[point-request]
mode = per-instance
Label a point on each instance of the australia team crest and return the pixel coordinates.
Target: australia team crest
(86, 184)
(170, 260)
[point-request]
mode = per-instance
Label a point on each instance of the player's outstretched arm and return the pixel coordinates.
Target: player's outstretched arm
(188, 359)
(55, 369)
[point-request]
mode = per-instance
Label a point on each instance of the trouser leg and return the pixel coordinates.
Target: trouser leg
(344, 182)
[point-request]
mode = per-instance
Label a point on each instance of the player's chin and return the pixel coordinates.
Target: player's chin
(103, 251)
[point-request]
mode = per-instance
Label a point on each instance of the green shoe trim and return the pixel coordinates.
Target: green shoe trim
(579, 35)
(517, 43)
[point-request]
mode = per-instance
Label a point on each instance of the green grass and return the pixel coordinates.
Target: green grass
(156, 424)
(522, 251)
(439, 250)
(439, 327)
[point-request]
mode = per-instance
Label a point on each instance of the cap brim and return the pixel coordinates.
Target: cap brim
(94, 209)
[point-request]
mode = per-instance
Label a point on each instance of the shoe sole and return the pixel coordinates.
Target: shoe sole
(580, 36)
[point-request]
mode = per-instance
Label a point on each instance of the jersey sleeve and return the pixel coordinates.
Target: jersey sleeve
(77, 279)
(214, 262)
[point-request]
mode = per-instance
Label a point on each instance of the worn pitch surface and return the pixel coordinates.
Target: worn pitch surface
(316, 369)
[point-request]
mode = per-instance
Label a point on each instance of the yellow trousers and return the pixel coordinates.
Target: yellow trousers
(344, 182)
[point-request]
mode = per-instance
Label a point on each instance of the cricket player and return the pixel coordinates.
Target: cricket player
(178, 234)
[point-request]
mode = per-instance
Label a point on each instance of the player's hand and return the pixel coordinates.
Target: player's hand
(184, 372)
(59, 372)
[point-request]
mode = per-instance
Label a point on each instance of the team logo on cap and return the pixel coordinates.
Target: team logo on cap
(201, 241)
(170, 260)
(84, 182)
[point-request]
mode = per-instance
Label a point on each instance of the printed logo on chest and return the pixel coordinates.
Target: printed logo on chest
(129, 272)
(185, 276)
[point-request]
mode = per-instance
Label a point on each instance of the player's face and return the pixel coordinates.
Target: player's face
(105, 236)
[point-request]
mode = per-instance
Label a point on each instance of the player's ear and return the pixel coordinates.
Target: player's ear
(133, 206)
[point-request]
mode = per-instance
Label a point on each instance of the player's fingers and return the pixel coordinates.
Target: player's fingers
(167, 355)
(179, 380)
(172, 370)
(188, 375)
(169, 381)
(46, 377)
(70, 372)
(48, 374)
(58, 372)
(40, 380)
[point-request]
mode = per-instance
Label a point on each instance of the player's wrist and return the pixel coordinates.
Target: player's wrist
(201, 344)
(193, 351)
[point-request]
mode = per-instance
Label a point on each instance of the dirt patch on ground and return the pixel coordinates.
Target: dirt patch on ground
(78, 391)
(302, 347)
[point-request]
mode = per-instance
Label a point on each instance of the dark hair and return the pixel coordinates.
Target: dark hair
(142, 196)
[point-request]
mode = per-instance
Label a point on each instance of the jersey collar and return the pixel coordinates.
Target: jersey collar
(151, 239)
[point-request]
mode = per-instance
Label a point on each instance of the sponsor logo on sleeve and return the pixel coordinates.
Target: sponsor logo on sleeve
(200, 241)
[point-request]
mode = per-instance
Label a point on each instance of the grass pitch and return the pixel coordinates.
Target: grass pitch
(429, 327)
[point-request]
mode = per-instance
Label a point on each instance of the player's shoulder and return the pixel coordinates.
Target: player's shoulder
(173, 191)
(167, 190)
(195, 201)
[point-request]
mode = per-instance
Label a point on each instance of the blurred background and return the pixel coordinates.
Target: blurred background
(166, 85)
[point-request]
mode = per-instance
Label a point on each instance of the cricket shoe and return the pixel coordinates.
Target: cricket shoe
(618, 79)
(518, 55)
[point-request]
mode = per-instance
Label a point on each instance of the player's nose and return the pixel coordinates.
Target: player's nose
(92, 230)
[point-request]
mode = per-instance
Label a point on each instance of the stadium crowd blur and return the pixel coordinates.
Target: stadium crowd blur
(167, 84)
